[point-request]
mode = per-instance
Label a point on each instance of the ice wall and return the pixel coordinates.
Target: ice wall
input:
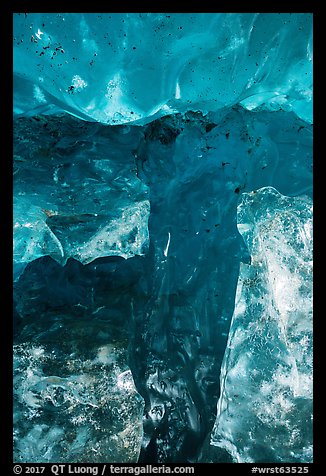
(162, 180)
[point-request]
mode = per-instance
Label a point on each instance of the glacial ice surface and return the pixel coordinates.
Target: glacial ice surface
(100, 66)
(161, 194)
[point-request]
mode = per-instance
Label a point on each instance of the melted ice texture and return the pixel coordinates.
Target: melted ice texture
(92, 413)
(121, 68)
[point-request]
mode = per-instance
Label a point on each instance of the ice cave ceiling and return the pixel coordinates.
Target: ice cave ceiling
(163, 237)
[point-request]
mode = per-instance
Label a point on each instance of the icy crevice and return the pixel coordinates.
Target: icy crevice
(176, 291)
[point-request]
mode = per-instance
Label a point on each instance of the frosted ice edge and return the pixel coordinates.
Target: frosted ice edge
(264, 412)
(76, 192)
